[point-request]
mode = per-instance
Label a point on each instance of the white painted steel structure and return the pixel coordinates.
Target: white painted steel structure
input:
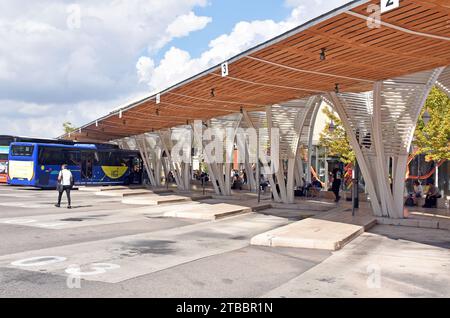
(380, 125)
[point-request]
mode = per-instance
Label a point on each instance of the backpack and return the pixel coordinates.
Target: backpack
(409, 202)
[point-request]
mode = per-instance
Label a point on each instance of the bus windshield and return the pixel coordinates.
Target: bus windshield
(20, 150)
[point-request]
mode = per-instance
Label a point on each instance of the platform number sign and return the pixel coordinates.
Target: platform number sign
(224, 69)
(388, 5)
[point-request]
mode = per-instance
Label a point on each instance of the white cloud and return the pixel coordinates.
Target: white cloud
(45, 120)
(186, 24)
(54, 68)
(305, 10)
(51, 73)
(178, 65)
(145, 67)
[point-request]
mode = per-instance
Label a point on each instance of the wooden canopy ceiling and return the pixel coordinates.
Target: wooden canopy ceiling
(412, 38)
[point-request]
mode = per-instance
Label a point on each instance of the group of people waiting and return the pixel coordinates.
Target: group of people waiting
(314, 187)
(238, 178)
(430, 192)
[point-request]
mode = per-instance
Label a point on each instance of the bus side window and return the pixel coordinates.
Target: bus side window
(73, 158)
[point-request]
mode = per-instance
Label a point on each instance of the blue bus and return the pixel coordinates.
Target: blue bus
(6, 140)
(38, 164)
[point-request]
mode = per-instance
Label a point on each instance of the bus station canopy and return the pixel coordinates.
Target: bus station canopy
(412, 38)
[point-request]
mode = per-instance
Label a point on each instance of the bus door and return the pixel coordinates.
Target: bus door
(138, 166)
(87, 166)
(4, 151)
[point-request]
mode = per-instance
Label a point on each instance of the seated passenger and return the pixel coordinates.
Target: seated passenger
(418, 190)
(314, 187)
(431, 196)
(237, 183)
(263, 183)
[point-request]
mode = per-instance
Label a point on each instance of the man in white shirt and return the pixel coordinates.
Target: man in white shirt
(65, 182)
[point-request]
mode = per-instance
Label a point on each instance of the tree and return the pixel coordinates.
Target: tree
(68, 127)
(433, 139)
(336, 142)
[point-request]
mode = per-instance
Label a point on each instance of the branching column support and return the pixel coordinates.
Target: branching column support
(219, 171)
(380, 126)
(177, 168)
(146, 158)
(310, 140)
(290, 119)
(251, 175)
(199, 133)
(215, 169)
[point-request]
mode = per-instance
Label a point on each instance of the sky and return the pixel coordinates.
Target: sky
(69, 60)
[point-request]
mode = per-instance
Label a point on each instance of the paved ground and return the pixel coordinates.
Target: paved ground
(387, 262)
(132, 251)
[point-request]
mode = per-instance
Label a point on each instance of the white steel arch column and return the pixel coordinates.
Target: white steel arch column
(291, 119)
(244, 143)
(307, 136)
(149, 146)
(180, 167)
(380, 125)
(443, 82)
(258, 120)
(220, 168)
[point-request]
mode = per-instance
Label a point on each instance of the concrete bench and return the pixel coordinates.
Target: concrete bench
(328, 195)
(348, 194)
(444, 202)
(441, 202)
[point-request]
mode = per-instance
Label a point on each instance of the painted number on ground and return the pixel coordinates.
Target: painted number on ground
(94, 269)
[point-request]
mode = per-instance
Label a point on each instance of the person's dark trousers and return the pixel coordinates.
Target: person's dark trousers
(335, 188)
(430, 202)
(67, 190)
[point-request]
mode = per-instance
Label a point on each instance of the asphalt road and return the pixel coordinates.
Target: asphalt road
(103, 248)
(158, 257)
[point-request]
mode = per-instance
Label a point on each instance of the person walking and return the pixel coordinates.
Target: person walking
(65, 183)
(337, 175)
(244, 176)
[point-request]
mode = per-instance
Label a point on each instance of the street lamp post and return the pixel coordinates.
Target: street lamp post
(355, 186)
(258, 169)
(355, 180)
(426, 117)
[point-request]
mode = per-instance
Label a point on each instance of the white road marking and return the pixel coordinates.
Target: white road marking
(38, 261)
(19, 221)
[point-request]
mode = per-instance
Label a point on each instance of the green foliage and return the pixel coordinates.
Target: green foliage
(336, 141)
(68, 127)
(433, 139)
